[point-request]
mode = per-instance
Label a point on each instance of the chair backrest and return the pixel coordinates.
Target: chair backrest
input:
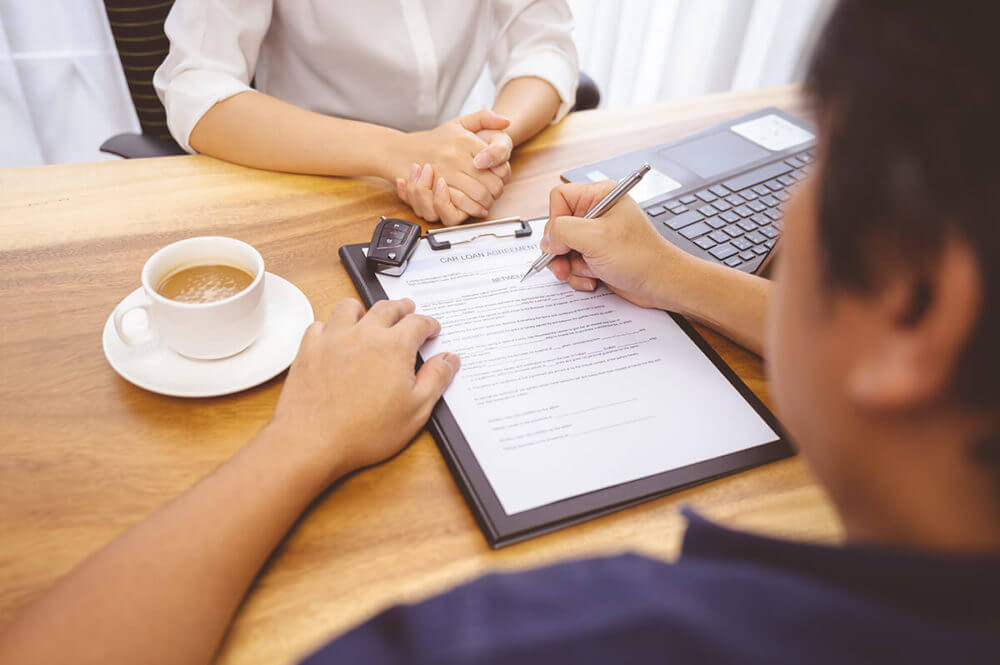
(137, 26)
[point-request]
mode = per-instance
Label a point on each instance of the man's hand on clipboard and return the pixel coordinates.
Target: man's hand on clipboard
(621, 248)
(352, 397)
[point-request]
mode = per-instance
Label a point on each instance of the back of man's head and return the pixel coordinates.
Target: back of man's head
(907, 94)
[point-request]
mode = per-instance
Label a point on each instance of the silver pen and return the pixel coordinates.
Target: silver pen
(621, 189)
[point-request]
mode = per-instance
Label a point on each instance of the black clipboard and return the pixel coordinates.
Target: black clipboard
(502, 529)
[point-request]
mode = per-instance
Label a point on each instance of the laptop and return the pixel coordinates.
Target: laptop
(718, 193)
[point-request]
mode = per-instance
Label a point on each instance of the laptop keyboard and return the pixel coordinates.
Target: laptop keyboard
(738, 220)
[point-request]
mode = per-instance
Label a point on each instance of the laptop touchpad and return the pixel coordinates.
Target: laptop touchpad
(714, 154)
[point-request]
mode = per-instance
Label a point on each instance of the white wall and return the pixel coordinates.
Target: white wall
(62, 92)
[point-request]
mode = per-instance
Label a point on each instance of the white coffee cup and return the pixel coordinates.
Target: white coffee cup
(204, 331)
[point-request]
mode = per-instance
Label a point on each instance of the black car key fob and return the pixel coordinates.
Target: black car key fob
(392, 245)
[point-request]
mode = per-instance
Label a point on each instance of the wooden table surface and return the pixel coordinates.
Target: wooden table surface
(84, 454)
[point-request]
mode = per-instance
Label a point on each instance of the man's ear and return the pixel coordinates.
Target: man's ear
(924, 321)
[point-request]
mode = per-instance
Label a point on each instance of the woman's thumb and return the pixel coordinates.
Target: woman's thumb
(485, 119)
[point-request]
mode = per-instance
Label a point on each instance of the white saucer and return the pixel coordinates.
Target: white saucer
(158, 369)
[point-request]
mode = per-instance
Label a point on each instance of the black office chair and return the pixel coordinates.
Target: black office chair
(137, 26)
(588, 95)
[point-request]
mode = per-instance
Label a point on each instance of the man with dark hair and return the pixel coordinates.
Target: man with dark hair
(879, 335)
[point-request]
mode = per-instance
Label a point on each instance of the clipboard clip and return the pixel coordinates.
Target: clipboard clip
(460, 235)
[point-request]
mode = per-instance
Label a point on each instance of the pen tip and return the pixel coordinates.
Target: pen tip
(525, 277)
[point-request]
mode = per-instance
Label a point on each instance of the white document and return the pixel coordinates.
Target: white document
(562, 392)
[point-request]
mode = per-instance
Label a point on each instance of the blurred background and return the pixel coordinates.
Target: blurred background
(62, 91)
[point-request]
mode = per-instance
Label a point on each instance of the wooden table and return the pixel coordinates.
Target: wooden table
(84, 454)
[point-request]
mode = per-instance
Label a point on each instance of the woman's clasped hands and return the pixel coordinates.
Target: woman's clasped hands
(458, 169)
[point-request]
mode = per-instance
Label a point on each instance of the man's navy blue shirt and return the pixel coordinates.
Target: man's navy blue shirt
(731, 597)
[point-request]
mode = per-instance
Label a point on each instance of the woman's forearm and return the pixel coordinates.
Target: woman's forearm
(530, 104)
(254, 129)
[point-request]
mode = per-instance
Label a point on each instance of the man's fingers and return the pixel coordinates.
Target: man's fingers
(433, 377)
(314, 331)
(347, 312)
(450, 215)
(466, 204)
(578, 266)
(485, 119)
(560, 267)
(569, 266)
(582, 283)
(563, 234)
(562, 199)
(590, 197)
(415, 329)
(577, 198)
(388, 312)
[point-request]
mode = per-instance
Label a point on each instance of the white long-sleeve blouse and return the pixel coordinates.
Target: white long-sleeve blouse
(408, 64)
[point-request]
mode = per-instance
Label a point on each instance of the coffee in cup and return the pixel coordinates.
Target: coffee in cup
(203, 283)
(203, 298)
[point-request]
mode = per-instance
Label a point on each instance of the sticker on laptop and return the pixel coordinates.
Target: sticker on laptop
(773, 132)
(652, 185)
(597, 176)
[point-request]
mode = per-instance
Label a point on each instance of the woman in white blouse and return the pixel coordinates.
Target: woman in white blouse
(369, 87)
